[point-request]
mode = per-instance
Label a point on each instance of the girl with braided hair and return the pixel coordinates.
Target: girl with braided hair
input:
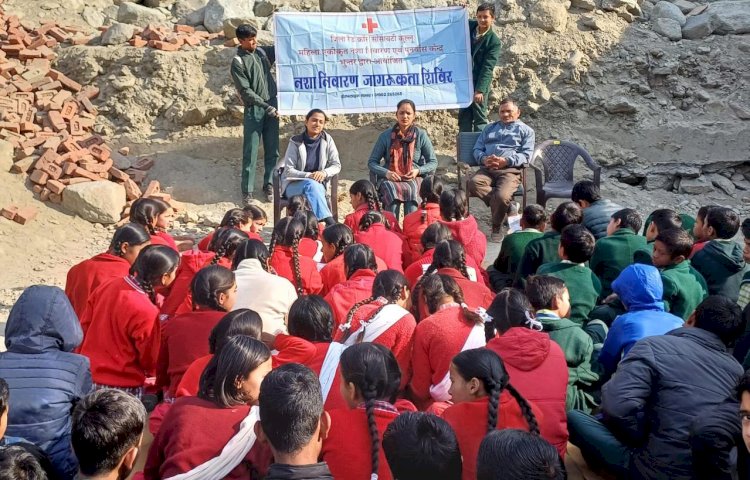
(122, 332)
(335, 239)
(484, 400)
(364, 198)
(454, 214)
(387, 245)
(87, 276)
(184, 337)
(287, 261)
(310, 246)
(250, 220)
(370, 379)
(359, 261)
(417, 222)
(156, 216)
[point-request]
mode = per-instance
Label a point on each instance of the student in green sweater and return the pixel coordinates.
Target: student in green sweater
(550, 298)
(684, 287)
(502, 271)
(544, 249)
(660, 220)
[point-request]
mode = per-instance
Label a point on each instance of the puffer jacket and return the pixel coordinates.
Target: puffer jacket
(722, 265)
(596, 216)
(659, 388)
(45, 378)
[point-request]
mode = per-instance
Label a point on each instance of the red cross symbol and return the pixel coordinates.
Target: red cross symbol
(370, 25)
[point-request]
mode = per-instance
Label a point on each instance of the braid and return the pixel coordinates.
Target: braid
(215, 303)
(372, 201)
(492, 409)
(525, 409)
(272, 243)
(352, 312)
(369, 395)
(220, 252)
(147, 287)
(340, 246)
(423, 207)
(151, 229)
(416, 297)
(295, 264)
(462, 264)
(117, 248)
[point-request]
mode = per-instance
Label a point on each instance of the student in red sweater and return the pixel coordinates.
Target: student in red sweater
(287, 261)
(432, 235)
(534, 362)
(250, 219)
(484, 401)
(121, 327)
(451, 328)
(454, 213)
(86, 277)
(386, 244)
(417, 222)
(450, 259)
(217, 426)
(370, 379)
(385, 318)
(156, 216)
(360, 275)
(184, 336)
(335, 239)
(364, 198)
(310, 245)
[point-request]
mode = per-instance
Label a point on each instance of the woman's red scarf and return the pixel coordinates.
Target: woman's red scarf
(402, 150)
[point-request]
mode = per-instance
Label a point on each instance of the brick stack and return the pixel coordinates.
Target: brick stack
(153, 190)
(170, 40)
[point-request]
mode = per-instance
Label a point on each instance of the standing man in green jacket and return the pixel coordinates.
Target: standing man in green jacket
(485, 51)
(251, 73)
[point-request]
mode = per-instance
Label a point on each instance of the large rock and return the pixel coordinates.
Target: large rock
(697, 27)
(685, 6)
(196, 18)
(629, 5)
(620, 105)
(415, 4)
(183, 8)
(231, 24)
(667, 27)
(118, 34)
(730, 17)
(338, 6)
(584, 4)
(695, 186)
(722, 183)
(668, 10)
(93, 17)
(139, 15)
(264, 8)
(549, 15)
(97, 202)
(218, 11)
(202, 114)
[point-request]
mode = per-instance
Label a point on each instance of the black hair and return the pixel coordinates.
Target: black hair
(628, 218)
(359, 256)
(105, 425)
(746, 228)
(406, 101)
(287, 233)
(585, 190)
(245, 31)
(235, 217)
(665, 218)
(311, 317)
(454, 205)
(297, 203)
(676, 241)
(487, 7)
(242, 321)
(534, 215)
(130, 233)
(448, 254)
(438, 286)
(577, 242)
(388, 284)
(255, 212)
(290, 404)
(702, 212)
(742, 386)
(239, 356)
(338, 235)
(422, 446)
(144, 211)
(225, 242)
(4, 396)
(152, 263)
(722, 317)
(18, 463)
(510, 308)
(542, 290)
(208, 283)
(434, 234)
(314, 111)
(430, 191)
(369, 219)
(375, 373)
(252, 248)
(512, 454)
(567, 213)
(311, 225)
(368, 191)
(487, 366)
(724, 221)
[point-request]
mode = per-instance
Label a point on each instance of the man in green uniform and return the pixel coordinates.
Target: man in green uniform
(251, 73)
(485, 51)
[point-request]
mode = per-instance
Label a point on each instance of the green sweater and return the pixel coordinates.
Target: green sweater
(484, 56)
(251, 73)
(583, 285)
(512, 249)
(537, 252)
(613, 253)
(684, 289)
(645, 256)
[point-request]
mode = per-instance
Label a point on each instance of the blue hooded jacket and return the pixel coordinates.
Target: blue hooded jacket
(45, 378)
(640, 289)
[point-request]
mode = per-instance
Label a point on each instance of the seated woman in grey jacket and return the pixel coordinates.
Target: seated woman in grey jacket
(311, 159)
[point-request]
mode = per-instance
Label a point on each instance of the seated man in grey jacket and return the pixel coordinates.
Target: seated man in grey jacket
(596, 210)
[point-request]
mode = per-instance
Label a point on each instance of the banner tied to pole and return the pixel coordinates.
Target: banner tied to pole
(368, 61)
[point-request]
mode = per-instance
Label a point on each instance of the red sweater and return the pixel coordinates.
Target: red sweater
(179, 292)
(347, 450)
(195, 431)
(184, 339)
(469, 421)
(352, 220)
(343, 296)
(121, 334)
(206, 241)
(530, 356)
(282, 262)
(697, 247)
(163, 238)
(414, 271)
(475, 293)
(467, 233)
(88, 275)
(334, 272)
(308, 247)
(414, 227)
(386, 245)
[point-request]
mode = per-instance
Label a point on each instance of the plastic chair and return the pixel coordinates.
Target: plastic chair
(280, 202)
(555, 177)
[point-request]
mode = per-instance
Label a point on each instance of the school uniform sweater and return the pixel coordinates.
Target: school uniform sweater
(414, 271)
(282, 262)
(384, 243)
(469, 422)
(269, 295)
(538, 251)
(467, 233)
(334, 272)
(179, 291)
(512, 250)
(308, 247)
(415, 224)
(583, 285)
(722, 266)
(475, 293)
(343, 296)
(684, 289)
(122, 334)
(206, 241)
(195, 431)
(348, 448)
(88, 275)
(613, 253)
(697, 247)
(352, 220)
(163, 238)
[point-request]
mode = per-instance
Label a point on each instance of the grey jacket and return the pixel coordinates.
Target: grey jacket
(596, 216)
(295, 158)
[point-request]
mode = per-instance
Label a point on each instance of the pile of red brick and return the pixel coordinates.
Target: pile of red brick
(153, 190)
(163, 38)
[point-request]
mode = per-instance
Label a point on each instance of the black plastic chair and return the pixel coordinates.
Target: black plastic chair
(280, 202)
(554, 179)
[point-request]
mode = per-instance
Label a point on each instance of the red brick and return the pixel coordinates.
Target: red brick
(91, 141)
(144, 163)
(25, 215)
(69, 146)
(56, 119)
(12, 50)
(81, 172)
(54, 171)
(23, 152)
(137, 42)
(22, 85)
(88, 106)
(118, 175)
(44, 194)
(70, 84)
(184, 28)
(28, 126)
(90, 92)
(164, 46)
(69, 110)
(101, 167)
(153, 187)
(51, 86)
(27, 54)
(58, 34)
(37, 189)
(23, 165)
(73, 181)
(100, 152)
(81, 39)
(11, 127)
(39, 177)
(164, 197)
(132, 191)
(76, 127)
(69, 168)
(137, 175)
(55, 197)
(9, 212)
(55, 187)
(192, 40)
(61, 96)
(52, 143)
